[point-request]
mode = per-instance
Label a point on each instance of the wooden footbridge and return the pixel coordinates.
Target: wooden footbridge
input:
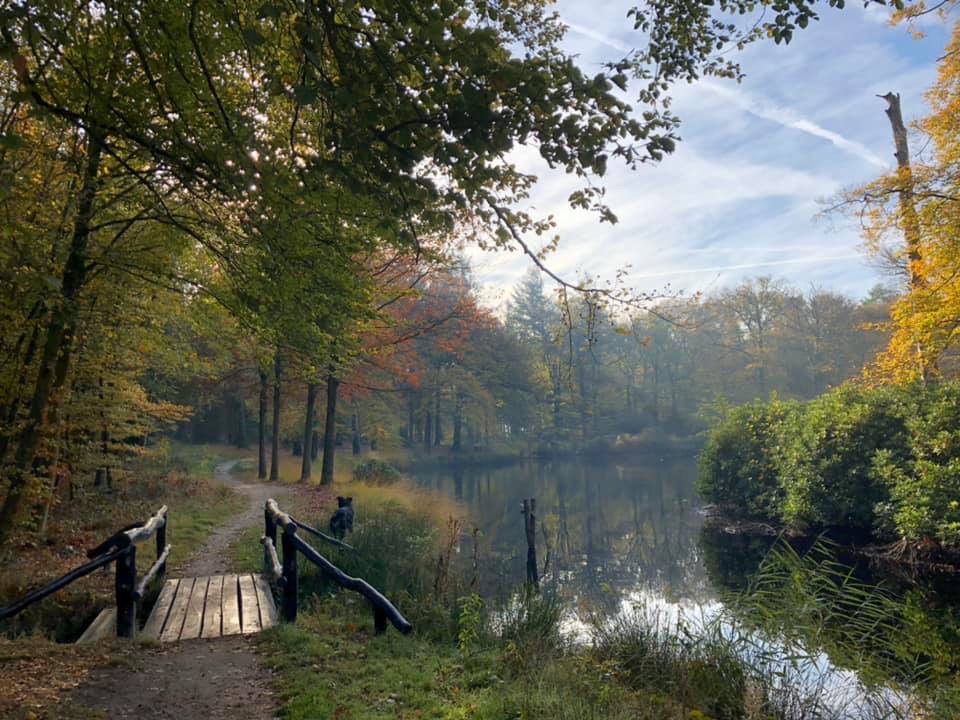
(208, 607)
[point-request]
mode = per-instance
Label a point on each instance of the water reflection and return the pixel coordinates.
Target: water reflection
(628, 535)
(609, 530)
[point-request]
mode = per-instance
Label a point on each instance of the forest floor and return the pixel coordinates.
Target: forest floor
(216, 679)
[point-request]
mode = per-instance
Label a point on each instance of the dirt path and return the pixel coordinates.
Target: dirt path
(214, 558)
(209, 679)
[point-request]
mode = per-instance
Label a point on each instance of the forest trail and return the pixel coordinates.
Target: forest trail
(217, 679)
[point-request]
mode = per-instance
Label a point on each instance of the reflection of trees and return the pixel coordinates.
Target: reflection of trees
(612, 530)
(731, 558)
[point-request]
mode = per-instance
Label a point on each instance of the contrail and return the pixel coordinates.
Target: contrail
(790, 118)
(759, 107)
(745, 266)
(598, 36)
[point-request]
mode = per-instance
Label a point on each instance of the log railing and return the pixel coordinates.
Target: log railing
(284, 572)
(121, 547)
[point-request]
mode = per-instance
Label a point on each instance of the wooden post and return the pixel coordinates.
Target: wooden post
(270, 526)
(379, 621)
(126, 582)
(161, 546)
(530, 527)
(290, 580)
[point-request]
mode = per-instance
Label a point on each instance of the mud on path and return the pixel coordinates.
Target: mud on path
(210, 679)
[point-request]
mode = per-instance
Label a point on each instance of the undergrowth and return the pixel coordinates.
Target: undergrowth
(178, 477)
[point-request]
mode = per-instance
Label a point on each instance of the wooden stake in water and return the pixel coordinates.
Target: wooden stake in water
(530, 526)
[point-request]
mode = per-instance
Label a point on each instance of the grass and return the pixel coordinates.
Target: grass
(192, 519)
(330, 666)
(178, 476)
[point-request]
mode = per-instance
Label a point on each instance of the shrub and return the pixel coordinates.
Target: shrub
(376, 472)
(882, 460)
(738, 465)
(529, 625)
(694, 662)
(393, 551)
(827, 468)
(925, 492)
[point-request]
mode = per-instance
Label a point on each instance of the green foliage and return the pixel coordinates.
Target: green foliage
(738, 466)
(376, 472)
(882, 460)
(827, 468)
(394, 551)
(925, 492)
(470, 623)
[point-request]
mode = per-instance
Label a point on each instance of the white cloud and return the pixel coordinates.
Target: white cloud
(739, 195)
(790, 118)
(748, 266)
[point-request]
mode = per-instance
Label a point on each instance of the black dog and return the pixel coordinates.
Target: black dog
(342, 520)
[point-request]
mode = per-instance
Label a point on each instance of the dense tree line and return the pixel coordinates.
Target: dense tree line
(196, 190)
(559, 374)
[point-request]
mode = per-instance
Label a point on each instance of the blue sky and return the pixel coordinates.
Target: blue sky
(739, 196)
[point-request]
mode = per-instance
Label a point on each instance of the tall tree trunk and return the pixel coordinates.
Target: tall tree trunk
(242, 440)
(355, 432)
(556, 394)
(55, 357)
(437, 432)
(427, 431)
(275, 445)
(262, 431)
(314, 444)
(908, 212)
(102, 476)
(411, 420)
(456, 445)
(308, 433)
(329, 431)
(13, 409)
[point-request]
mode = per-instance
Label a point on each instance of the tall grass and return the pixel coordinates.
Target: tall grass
(906, 656)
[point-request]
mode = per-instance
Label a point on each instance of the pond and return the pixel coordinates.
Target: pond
(610, 530)
(630, 533)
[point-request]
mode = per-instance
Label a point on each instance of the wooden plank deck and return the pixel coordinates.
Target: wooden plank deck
(211, 607)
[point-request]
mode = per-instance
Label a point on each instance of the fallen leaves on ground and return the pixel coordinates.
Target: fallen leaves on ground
(34, 671)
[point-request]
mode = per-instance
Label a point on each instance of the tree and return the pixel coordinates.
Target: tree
(917, 207)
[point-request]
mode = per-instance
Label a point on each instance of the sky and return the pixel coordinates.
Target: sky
(756, 162)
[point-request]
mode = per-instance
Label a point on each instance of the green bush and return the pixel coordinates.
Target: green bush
(827, 468)
(882, 460)
(738, 465)
(376, 472)
(925, 492)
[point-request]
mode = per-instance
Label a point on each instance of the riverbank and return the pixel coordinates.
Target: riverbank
(879, 465)
(900, 559)
(483, 656)
(618, 447)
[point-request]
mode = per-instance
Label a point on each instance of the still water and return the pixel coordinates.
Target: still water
(610, 530)
(618, 535)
